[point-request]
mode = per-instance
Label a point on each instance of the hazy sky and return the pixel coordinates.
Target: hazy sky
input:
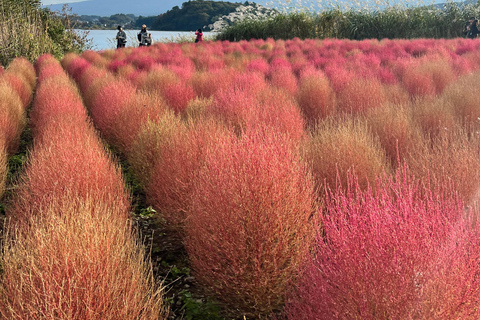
(48, 2)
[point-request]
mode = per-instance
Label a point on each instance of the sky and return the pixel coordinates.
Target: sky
(49, 2)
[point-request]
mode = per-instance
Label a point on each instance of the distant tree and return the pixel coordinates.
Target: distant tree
(193, 15)
(148, 21)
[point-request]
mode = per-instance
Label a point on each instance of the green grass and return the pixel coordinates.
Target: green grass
(392, 23)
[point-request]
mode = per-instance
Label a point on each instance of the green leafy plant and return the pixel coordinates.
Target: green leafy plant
(197, 308)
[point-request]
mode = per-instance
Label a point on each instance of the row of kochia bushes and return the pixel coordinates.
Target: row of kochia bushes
(16, 90)
(333, 179)
(69, 249)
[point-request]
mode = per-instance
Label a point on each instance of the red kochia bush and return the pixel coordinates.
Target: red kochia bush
(79, 162)
(359, 95)
(283, 78)
(168, 155)
(250, 222)
(205, 84)
(3, 165)
(109, 103)
(23, 69)
(16, 91)
(65, 103)
(12, 117)
(316, 98)
(177, 96)
(397, 253)
(20, 75)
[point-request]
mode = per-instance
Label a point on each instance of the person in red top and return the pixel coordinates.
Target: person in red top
(199, 35)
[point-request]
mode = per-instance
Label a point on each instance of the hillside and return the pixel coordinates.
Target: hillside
(193, 15)
(110, 7)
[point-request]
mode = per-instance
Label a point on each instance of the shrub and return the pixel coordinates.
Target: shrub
(177, 96)
(276, 110)
(12, 117)
(435, 117)
(250, 220)
(179, 153)
(3, 165)
(70, 251)
(462, 98)
(78, 261)
(258, 65)
(77, 157)
(450, 158)
(397, 131)
(233, 106)
(20, 75)
(95, 58)
(359, 95)
(23, 69)
(316, 98)
(111, 99)
(30, 31)
(205, 84)
(65, 102)
(197, 108)
(150, 143)
(337, 147)
(65, 143)
(283, 78)
(396, 253)
(141, 108)
(418, 82)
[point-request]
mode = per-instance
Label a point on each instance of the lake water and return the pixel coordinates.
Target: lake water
(105, 39)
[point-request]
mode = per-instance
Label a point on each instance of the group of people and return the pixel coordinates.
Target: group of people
(145, 37)
(470, 30)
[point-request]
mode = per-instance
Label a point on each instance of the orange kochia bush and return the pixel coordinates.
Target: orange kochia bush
(250, 223)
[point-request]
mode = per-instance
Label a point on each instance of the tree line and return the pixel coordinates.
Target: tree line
(190, 16)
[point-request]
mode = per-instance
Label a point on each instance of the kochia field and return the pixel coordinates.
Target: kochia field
(315, 179)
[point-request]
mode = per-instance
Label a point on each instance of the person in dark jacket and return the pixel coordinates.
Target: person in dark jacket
(121, 37)
(472, 34)
(466, 27)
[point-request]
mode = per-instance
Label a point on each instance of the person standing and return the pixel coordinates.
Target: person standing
(144, 37)
(121, 37)
(472, 34)
(199, 35)
(466, 27)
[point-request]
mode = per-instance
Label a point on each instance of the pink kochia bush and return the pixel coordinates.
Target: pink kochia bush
(20, 74)
(251, 220)
(70, 251)
(16, 90)
(401, 252)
